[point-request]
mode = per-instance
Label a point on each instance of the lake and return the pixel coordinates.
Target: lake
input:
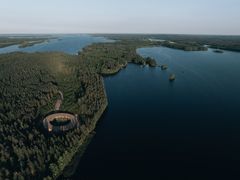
(152, 129)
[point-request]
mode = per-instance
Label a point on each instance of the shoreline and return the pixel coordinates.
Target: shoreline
(67, 171)
(71, 168)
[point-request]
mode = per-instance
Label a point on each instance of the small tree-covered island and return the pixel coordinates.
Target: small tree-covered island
(50, 102)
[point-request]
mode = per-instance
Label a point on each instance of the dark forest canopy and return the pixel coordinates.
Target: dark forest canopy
(29, 83)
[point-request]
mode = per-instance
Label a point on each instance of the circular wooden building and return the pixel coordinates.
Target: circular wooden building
(60, 121)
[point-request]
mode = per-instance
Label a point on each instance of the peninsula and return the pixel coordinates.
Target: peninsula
(32, 86)
(30, 105)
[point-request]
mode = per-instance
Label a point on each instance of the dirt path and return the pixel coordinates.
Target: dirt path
(59, 101)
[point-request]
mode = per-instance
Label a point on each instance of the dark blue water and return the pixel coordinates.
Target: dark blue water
(70, 44)
(154, 129)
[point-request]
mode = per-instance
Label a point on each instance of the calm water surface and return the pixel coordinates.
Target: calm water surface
(153, 129)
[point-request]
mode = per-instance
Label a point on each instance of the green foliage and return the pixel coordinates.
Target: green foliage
(29, 85)
(109, 58)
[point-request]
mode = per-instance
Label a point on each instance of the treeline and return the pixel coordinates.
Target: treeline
(231, 43)
(184, 46)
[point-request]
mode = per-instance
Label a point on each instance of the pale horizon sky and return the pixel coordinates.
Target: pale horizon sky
(220, 17)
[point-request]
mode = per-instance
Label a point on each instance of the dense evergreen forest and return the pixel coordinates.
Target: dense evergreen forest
(29, 85)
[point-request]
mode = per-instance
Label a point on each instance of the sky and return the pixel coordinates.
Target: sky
(120, 16)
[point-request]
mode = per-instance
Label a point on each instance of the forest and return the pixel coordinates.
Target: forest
(29, 85)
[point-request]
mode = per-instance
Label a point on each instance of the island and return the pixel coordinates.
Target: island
(172, 77)
(164, 67)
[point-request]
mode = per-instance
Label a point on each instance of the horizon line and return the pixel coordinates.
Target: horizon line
(114, 33)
